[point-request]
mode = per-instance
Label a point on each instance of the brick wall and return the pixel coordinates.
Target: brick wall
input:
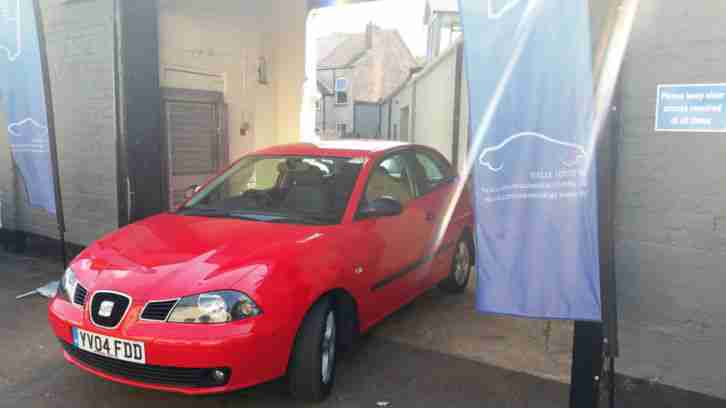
(80, 42)
(671, 205)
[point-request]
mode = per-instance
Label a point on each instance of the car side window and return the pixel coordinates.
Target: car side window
(431, 171)
(390, 178)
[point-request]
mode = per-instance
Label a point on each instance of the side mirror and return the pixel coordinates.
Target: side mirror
(381, 207)
(191, 190)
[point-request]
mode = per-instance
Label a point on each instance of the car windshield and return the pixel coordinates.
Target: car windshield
(282, 189)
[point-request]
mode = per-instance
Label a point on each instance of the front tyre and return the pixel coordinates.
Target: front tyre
(311, 373)
(460, 267)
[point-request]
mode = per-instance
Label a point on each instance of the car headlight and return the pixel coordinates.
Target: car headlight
(214, 307)
(67, 286)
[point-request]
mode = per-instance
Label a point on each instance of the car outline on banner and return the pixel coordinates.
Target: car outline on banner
(15, 129)
(32, 144)
(580, 154)
(7, 20)
(495, 13)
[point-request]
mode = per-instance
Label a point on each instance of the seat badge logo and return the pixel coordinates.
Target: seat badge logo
(106, 308)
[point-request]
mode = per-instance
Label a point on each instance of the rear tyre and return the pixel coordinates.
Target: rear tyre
(311, 373)
(460, 267)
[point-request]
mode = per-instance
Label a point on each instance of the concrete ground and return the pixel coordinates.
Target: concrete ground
(382, 366)
(450, 324)
(436, 352)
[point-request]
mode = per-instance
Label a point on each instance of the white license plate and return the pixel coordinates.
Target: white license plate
(119, 349)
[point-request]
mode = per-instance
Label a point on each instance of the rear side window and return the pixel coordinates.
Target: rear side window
(390, 178)
(431, 171)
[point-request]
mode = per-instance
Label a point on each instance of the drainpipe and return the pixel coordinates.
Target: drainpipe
(380, 120)
(322, 131)
(412, 133)
(456, 131)
(390, 113)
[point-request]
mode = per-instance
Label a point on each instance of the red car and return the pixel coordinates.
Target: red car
(268, 270)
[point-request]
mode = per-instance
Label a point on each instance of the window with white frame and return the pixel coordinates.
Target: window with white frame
(341, 91)
(341, 130)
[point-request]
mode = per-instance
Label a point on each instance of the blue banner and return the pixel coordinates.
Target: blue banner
(529, 66)
(691, 108)
(23, 93)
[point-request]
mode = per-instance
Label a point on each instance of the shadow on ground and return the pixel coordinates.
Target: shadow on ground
(450, 324)
(34, 374)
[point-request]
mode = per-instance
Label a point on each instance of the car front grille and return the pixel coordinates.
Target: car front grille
(79, 297)
(121, 304)
(162, 375)
(158, 310)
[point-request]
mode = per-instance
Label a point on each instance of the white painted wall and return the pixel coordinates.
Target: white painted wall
(288, 25)
(434, 116)
(403, 99)
(227, 38)
(223, 39)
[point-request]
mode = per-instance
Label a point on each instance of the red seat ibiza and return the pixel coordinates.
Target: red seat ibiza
(267, 270)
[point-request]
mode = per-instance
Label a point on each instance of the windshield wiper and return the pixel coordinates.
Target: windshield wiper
(260, 217)
(243, 215)
(304, 219)
(200, 211)
(220, 213)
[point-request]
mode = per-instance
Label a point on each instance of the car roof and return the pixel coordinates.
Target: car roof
(334, 148)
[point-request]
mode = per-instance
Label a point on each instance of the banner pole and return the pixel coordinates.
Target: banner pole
(587, 363)
(592, 341)
(53, 147)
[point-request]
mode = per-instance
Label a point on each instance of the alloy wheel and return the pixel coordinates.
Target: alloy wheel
(327, 346)
(462, 264)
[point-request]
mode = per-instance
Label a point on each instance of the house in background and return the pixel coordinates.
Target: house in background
(355, 72)
(444, 26)
(431, 108)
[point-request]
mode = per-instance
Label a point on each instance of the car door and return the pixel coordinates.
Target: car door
(393, 244)
(434, 187)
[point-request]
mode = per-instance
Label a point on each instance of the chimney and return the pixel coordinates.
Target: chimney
(370, 27)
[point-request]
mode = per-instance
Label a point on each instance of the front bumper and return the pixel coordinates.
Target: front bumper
(179, 357)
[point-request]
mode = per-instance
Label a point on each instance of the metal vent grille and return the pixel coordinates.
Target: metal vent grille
(79, 297)
(158, 310)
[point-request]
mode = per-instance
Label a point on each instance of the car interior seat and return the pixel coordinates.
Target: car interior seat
(383, 184)
(307, 191)
(343, 183)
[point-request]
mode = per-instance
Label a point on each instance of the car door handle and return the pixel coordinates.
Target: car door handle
(430, 216)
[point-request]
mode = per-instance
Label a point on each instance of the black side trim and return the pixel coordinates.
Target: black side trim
(411, 267)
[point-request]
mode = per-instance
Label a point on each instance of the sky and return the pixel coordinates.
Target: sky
(404, 15)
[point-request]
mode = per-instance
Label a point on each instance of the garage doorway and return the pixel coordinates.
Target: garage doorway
(195, 136)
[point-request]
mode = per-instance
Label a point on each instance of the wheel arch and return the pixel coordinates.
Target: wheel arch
(468, 234)
(347, 317)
